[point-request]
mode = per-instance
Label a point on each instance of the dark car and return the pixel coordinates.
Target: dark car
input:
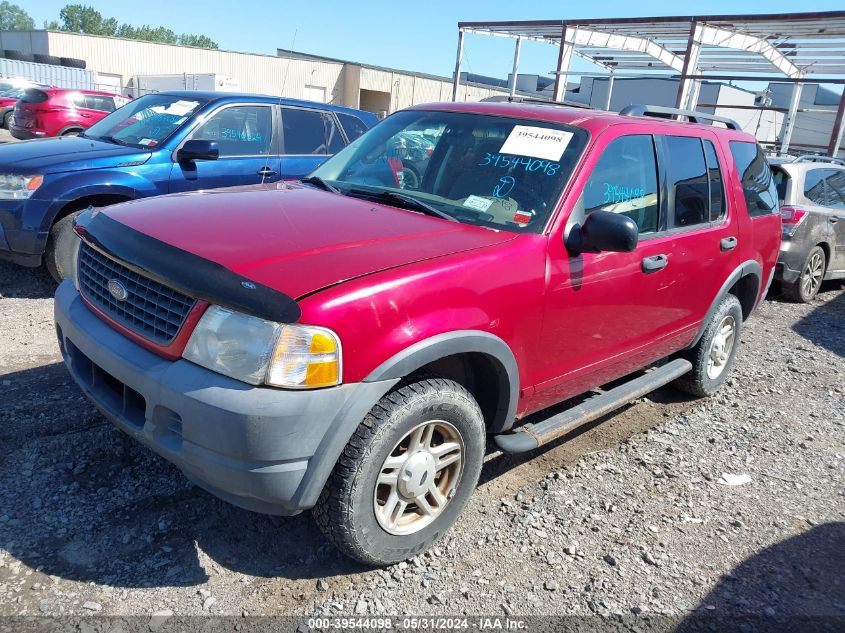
(348, 343)
(160, 143)
(812, 195)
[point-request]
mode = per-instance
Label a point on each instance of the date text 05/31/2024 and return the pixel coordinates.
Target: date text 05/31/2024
(419, 623)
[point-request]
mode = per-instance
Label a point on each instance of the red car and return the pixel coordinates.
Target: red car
(349, 342)
(8, 99)
(57, 112)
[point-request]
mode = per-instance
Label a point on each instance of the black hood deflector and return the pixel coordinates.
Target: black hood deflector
(183, 271)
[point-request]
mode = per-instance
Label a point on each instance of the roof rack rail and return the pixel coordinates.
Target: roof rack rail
(662, 112)
(521, 99)
(817, 158)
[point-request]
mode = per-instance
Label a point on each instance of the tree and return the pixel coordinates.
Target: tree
(80, 18)
(14, 18)
(201, 41)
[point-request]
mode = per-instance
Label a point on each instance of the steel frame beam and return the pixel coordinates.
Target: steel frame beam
(708, 35)
(456, 81)
(516, 50)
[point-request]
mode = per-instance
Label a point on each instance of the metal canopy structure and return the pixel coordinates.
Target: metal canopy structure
(796, 48)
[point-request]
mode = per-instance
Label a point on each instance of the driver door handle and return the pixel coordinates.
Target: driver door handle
(654, 263)
(833, 220)
(728, 243)
(266, 172)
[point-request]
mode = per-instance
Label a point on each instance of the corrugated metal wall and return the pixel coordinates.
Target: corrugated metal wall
(59, 76)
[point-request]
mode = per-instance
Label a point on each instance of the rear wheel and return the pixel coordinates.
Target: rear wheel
(406, 474)
(812, 274)
(8, 119)
(72, 132)
(714, 354)
(60, 254)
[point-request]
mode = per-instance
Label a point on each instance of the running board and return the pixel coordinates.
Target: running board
(531, 436)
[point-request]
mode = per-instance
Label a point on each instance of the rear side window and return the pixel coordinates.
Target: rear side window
(825, 187)
(309, 132)
(717, 187)
(352, 125)
(689, 188)
(98, 102)
(624, 181)
(781, 182)
(758, 185)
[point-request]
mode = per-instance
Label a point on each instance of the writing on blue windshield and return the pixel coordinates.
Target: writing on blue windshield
(240, 135)
(504, 186)
(621, 193)
(531, 165)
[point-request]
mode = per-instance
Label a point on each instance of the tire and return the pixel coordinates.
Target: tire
(812, 274)
(74, 131)
(8, 118)
(72, 62)
(351, 511)
(19, 56)
(703, 380)
(38, 58)
(60, 254)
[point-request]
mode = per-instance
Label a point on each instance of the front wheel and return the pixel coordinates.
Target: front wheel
(60, 254)
(812, 274)
(406, 474)
(8, 119)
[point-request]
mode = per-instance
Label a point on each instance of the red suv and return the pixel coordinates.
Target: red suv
(55, 112)
(347, 343)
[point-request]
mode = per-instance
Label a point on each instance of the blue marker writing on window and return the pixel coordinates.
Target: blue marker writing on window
(506, 184)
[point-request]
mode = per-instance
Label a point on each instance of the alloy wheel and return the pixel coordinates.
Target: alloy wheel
(721, 347)
(811, 279)
(419, 477)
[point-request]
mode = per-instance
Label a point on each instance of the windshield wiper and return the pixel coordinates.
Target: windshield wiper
(405, 202)
(111, 139)
(319, 182)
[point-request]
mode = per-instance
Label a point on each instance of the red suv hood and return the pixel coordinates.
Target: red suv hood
(295, 239)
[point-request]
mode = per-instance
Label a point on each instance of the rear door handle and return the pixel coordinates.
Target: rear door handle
(266, 172)
(728, 243)
(833, 220)
(654, 263)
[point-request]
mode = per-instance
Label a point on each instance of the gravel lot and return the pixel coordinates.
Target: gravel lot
(627, 517)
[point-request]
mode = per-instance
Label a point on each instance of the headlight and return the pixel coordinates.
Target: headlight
(13, 187)
(257, 351)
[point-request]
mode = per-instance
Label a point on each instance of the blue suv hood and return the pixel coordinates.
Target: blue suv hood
(68, 153)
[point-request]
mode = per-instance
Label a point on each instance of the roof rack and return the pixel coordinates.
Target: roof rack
(664, 112)
(521, 99)
(817, 158)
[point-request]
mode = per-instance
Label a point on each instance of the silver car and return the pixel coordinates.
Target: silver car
(812, 197)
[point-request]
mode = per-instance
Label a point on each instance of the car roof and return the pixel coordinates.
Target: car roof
(595, 121)
(222, 97)
(58, 91)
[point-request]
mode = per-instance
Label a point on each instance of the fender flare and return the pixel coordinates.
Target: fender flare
(745, 269)
(461, 342)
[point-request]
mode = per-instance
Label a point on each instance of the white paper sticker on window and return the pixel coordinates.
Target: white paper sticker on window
(181, 108)
(478, 203)
(536, 142)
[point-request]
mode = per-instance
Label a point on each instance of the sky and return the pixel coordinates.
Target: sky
(420, 36)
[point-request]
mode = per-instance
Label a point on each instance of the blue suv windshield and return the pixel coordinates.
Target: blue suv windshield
(147, 121)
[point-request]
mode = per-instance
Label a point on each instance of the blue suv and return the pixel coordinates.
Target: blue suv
(167, 142)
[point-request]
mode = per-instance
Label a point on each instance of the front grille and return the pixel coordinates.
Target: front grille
(151, 309)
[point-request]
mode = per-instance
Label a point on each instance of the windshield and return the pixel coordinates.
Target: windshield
(145, 122)
(479, 169)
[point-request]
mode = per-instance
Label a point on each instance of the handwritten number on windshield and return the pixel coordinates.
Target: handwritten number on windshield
(514, 162)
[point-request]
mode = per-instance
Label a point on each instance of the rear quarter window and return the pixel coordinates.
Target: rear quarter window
(34, 96)
(758, 185)
(352, 125)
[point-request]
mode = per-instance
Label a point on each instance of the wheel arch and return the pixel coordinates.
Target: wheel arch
(482, 362)
(744, 283)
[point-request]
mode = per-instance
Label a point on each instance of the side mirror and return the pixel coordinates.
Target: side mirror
(198, 150)
(604, 231)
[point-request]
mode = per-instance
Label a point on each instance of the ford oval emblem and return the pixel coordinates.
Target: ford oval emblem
(248, 285)
(118, 290)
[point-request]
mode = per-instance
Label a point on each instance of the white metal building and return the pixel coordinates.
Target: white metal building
(116, 61)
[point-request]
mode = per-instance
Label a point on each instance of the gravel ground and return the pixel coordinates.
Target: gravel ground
(631, 516)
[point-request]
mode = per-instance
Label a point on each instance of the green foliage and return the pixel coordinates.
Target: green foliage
(14, 18)
(84, 19)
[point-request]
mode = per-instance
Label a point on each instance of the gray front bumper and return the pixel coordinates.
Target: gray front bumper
(267, 450)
